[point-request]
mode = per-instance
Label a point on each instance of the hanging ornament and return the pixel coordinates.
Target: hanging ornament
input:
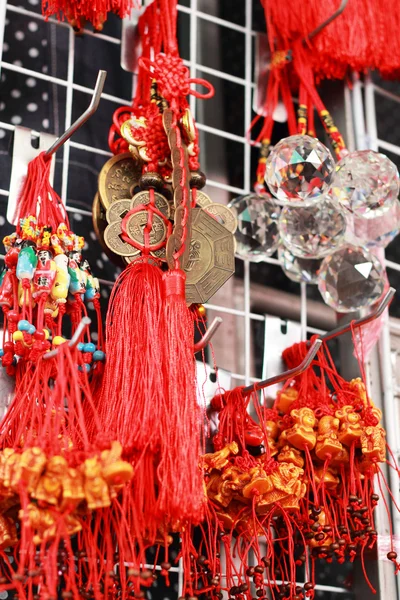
(351, 279)
(292, 486)
(312, 231)
(56, 485)
(45, 279)
(375, 232)
(366, 183)
(257, 234)
(299, 269)
(298, 170)
(179, 249)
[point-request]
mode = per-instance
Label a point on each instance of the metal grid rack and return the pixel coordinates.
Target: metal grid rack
(234, 347)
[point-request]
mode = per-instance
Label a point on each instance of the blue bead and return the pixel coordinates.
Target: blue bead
(89, 347)
(14, 361)
(87, 367)
(80, 368)
(23, 325)
(31, 329)
(80, 346)
(99, 355)
(1, 352)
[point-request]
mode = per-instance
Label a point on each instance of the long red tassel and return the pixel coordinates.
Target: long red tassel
(179, 469)
(131, 401)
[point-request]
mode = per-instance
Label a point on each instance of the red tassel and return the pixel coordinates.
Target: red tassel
(181, 494)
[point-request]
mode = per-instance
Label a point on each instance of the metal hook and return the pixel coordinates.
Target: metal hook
(98, 88)
(386, 300)
(287, 374)
(208, 335)
(329, 20)
(74, 340)
(317, 344)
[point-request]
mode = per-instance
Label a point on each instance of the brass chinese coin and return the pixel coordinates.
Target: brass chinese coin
(136, 224)
(159, 200)
(113, 239)
(202, 199)
(223, 215)
(117, 210)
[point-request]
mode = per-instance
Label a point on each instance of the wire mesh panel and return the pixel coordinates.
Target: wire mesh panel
(47, 78)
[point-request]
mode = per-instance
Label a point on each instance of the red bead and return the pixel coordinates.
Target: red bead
(13, 316)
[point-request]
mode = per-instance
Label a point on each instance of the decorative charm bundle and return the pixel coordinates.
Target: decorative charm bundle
(45, 278)
(333, 216)
(294, 486)
(179, 247)
(55, 485)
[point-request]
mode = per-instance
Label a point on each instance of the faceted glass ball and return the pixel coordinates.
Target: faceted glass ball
(257, 234)
(298, 170)
(299, 269)
(350, 279)
(312, 231)
(377, 232)
(366, 183)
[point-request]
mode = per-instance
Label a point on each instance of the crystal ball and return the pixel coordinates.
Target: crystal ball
(299, 269)
(312, 231)
(257, 234)
(377, 232)
(366, 183)
(351, 279)
(298, 170)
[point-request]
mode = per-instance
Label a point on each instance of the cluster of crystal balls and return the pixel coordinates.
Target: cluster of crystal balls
(325, 219)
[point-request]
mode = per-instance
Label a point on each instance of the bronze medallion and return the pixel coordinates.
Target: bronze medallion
(211, 259)
(118, 178)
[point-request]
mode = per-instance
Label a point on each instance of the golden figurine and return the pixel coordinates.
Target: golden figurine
(328, 445)
(328, 476)
(260, 483)
(357, 386)
(72, 489)
(219, 460)
(10, 467)
(45, 523)
(32, 463)
(95, 487)
(291, 455)
(115, 471)
(340, 459)
(287, 488)
(8, 532)
(302, 434)
(286, 399)
(373, 440)
(350, 426)
(231, 484)
(50, 486)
